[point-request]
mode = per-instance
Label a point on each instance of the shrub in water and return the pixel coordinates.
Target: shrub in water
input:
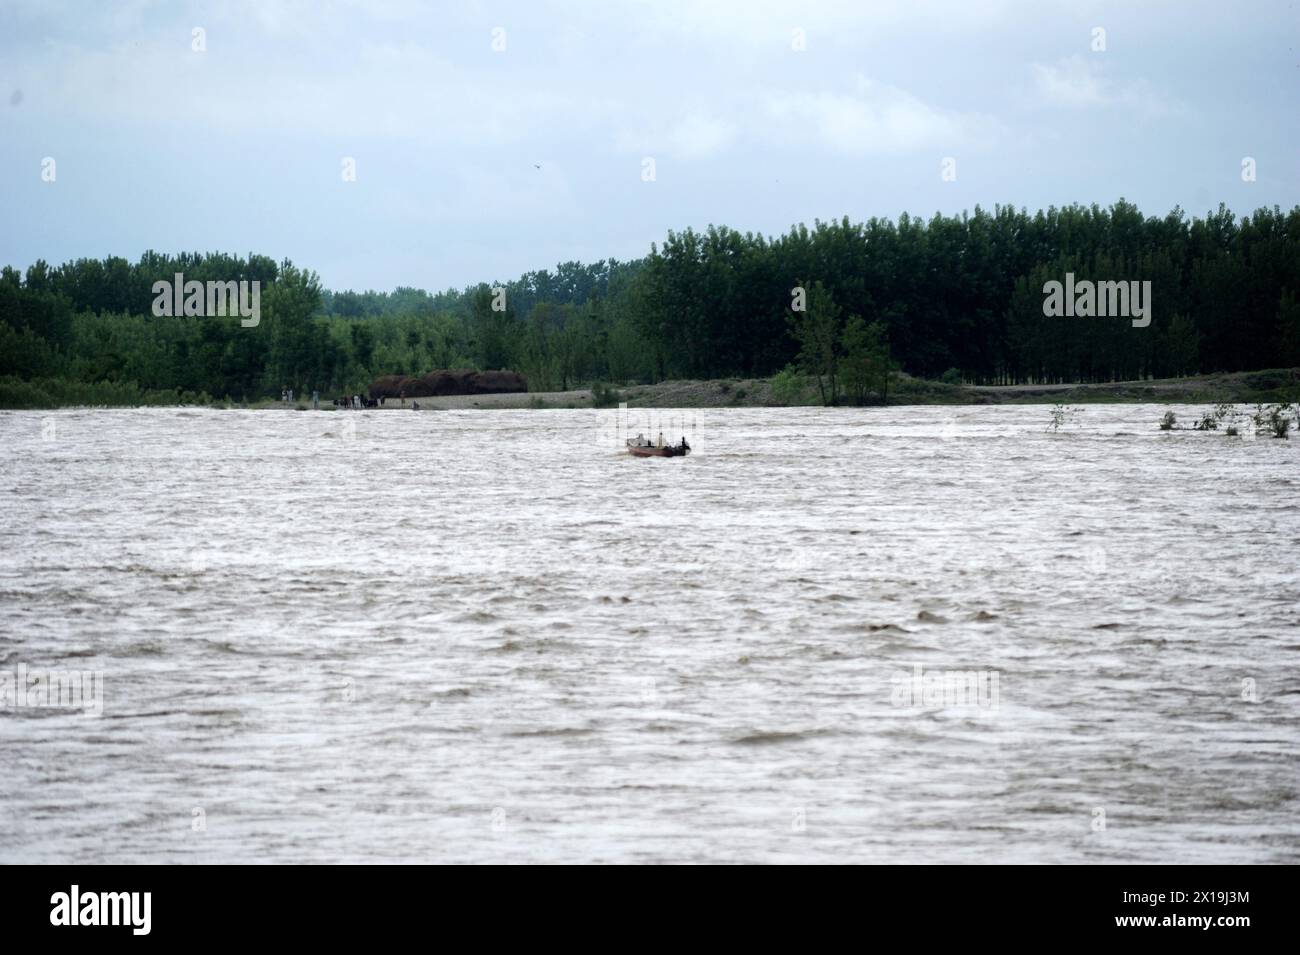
(1061, 416)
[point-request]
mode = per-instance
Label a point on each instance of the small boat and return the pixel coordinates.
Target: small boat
(639, 447)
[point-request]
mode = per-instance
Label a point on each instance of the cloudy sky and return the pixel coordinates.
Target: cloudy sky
(476, 162)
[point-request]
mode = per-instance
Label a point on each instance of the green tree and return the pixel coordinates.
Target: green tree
(817, 331)
(865, 366)
(1287, 342)
(294, 339)
(1181, 347)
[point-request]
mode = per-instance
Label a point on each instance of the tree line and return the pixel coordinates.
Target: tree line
(843, 303)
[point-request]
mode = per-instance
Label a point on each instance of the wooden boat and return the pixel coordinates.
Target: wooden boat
(640, 448)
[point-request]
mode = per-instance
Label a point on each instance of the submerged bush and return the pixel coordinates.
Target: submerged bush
(1168, 422)
(1275, 419)
(1223, 411)
(1061, 416)
(1278, 422)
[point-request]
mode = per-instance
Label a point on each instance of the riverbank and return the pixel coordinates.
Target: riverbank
(1238, 388)
(1252, 387)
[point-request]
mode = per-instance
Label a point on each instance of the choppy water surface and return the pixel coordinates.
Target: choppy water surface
(488, 636)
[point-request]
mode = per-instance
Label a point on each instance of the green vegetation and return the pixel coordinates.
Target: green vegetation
(1271, 419)
(61, 393)
(910, 309)
(790, 387)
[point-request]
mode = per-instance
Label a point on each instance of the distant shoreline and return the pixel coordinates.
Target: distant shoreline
(1247, 387)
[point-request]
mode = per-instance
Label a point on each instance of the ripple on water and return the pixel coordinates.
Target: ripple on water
(358, 650)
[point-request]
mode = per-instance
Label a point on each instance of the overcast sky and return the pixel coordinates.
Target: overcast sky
(240, 148)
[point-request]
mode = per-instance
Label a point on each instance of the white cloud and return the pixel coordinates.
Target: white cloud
(1072, 82)
(1082, 83)
(387, 89)
(875, 118)
(869, 118)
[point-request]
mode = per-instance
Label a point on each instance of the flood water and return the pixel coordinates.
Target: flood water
(487, 636)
